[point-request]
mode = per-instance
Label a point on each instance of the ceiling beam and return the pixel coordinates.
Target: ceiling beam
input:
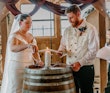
(3, 10)
(107, 0)
(2, 4)
(100, 6)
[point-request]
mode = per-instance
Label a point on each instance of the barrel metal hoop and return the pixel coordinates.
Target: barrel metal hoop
(48, 71)
(72, 90)
(48, 77)
(49, 84)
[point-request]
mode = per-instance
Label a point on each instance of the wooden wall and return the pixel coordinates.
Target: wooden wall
(102, 24)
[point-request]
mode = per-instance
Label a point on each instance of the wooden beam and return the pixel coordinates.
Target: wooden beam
(103, 63)
(4, 13)
(107, 0)
(2, 10)
(2, 4)
(3, 39)
(100, 6)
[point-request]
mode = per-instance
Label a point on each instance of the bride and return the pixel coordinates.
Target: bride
(21, 49)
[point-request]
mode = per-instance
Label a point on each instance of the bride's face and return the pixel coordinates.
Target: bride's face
(26, 24)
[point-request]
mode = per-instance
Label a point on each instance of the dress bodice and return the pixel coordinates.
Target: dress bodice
(24, 55)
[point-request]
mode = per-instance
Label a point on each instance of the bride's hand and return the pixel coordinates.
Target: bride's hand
(34, 47)
(40, 63)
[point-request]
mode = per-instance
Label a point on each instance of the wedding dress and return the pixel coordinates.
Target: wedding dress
(14, 68)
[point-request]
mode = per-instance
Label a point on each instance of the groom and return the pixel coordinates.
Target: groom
(80, 42)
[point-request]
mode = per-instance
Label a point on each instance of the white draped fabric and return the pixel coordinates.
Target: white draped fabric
(104, 53)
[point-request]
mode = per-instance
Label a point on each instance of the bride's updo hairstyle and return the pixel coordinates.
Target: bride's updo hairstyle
(22, 17)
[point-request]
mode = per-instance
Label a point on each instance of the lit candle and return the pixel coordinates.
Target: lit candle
(47, 58)
(47, 52)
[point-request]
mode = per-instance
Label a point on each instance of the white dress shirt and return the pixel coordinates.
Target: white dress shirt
(80, 47)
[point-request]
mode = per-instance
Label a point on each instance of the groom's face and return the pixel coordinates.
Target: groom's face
(73, 18)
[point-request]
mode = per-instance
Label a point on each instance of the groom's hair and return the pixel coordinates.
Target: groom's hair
(73, 8)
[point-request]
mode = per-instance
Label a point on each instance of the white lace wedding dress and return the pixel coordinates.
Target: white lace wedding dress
(14, 68)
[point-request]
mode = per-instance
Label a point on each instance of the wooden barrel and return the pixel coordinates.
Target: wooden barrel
(53, 80)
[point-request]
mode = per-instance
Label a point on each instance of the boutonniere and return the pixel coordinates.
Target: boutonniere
(82, 29)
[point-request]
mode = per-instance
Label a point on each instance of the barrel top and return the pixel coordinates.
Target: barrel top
(50, 70)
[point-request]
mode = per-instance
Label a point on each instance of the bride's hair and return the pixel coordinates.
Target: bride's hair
(21, 17)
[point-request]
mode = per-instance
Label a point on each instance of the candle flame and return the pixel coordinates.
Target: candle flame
(47, 49)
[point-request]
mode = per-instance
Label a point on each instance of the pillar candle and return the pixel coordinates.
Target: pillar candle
(47, 58)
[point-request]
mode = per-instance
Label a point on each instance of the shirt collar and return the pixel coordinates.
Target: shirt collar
(83, 24)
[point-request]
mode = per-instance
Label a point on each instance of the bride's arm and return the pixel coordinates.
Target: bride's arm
(16, 45)
(36, 57)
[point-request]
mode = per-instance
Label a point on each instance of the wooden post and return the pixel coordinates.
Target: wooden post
(103, 63)
(3, 39)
